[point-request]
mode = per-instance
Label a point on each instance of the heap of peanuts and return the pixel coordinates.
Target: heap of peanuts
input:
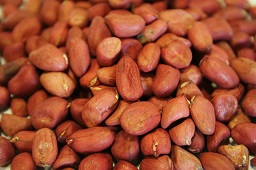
(128, 84)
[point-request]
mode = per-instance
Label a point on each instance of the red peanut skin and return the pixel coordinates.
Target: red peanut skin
(188, 89)
(167, 38)
(14, 51)
(79, 56)
(128, 81)
(147, 11)
(219, 72)
(99, 107)
(126, 147)
(58, 33)
(97, 161)
(156, 143)
(123, 26)
(200, 37)
(98, 9)
(35, 98)
(91, 140)
(248, 103)
(166, 80)
(124, 165)
(7, 151)
(23, 161)
(175, 109)
(161, 163)
(209, 159)
(76, 109)
(107, 75)
(23, 140)
(53, 58)
(44, 147)
(192, 73)
(202, 112)
(5, 97)
(33, 43)
(49, 113)
(197, 142)
(218, 138)
(19, 107)
(131, 47)
(149, 57)
(244, 133)
(49, 12)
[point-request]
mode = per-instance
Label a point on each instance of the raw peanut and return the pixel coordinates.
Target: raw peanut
(159, 102)
(126, 147)
(23, 140)
(238, 154)
(44, 147)
(96, 89)
(98, 9)
(149, 57)
(33, 43)
(117, 4)
(247, 26)
(49, 58)
(239, 117)
(79, 56)
(90, 77)
(245, 68)
(91, 140)
(237, 91)
(239, 3)
(128, 81)
(219, 72)
(161, 163)
(76, 109)
(147, 11)
(99, 107)
(74, 32)
(23, 161)
(176, 54)
(65, 129)
(127, 25)
(14, 51)
(66, 158)
(49, 12)
(167, 38)
(219, 53)
(188, 89)
(152, 31)
(12, 124)
(228, 49)
(241, 40)
(248, 103)
(219, 28)
(114, 118)
(5, 97)
(225, 106)
(197, 142)
(107, 75)
(192, 73)
(45, 34)
(182, 133)
(197, 13)
(49, 113)
(156, 143)
(78, 17)
(97, 161)
(18, 107)
(108, 51)
(26, 28)
(244, 133)
(215, 161)
(232, 13)
(7, 151)
(166, 80)
(121, 165)
(51, 80)
(5, 39)
(208, 6)
(146, 82)
(178, 155)
(65, 9)
(179, 4)
(200, 36)
(98, 30)
(131, 47)
(8, 9)
(218, 138)
(13, 19)
(148, 114)
(178, 21)
(58, 33)
(33, 6)
(35, 98)
(175, 109)
(203, 115)
(247, 53)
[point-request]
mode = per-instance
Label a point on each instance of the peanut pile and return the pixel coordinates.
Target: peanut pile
(128, 84)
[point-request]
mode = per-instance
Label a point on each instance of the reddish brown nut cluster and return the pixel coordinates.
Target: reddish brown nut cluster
(110, 84)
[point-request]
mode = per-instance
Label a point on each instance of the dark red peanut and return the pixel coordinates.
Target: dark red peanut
(161, 162)
(23, 140)
(97, 161)
(7, 151)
